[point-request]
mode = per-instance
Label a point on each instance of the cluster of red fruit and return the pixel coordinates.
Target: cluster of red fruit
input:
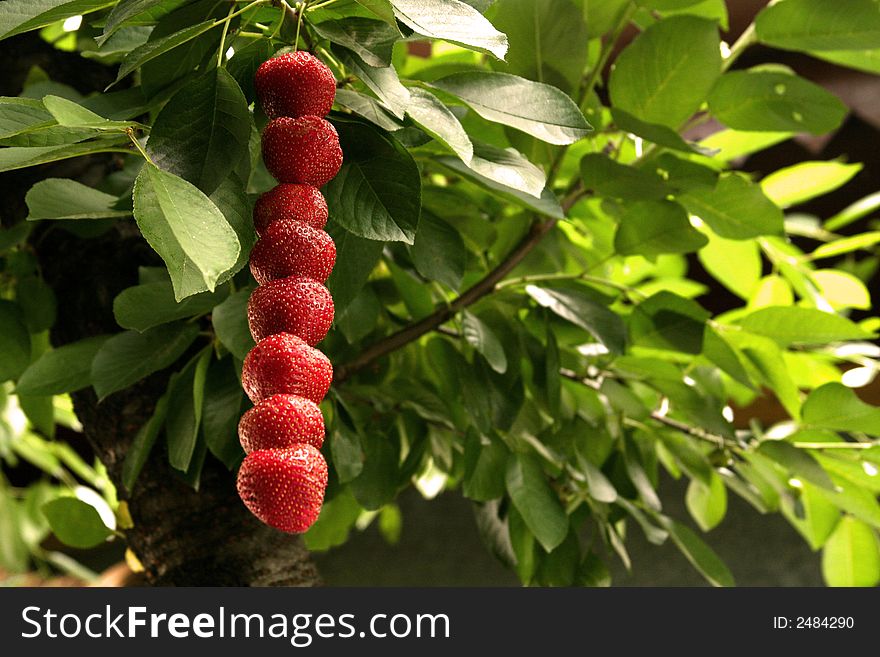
(283, 477)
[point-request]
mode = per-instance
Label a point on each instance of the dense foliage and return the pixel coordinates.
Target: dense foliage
(516, 313)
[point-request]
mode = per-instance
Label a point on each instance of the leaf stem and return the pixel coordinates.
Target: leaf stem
(222, 49)
(746, 39)
(138, 146)
(583, 276)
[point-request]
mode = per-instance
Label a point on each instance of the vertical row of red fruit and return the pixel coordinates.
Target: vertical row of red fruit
(283, 477)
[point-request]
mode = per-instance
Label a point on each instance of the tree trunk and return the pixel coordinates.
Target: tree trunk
(181, 536)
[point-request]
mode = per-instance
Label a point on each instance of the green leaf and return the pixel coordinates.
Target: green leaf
(834, 406)
(768, 360)
(667, 71)
(244, 65)
(860, 60)
(128, 357)
(768, 100)
(75, 523)
(62, 198)
(736, 209)
(142, 445)
(233, 202)
(707, 504)
(186, 394)
(123, 11)
(73, 115)
(649, 228)
(184, 227)
(485, 467)
(345, 447)
(801, 182)
(583, 311)
(152, 49)
(701, 556)
(381, 8)
(438, 251)
(65, 369)
(230, 323)
(414, 295)
(820, 25)
(371, 39)
(846, 245)
(37, 302)
(736, 264)
(438, 121)
(481, 338)
(609, 178)
(202, 132)
(14, 553)
(654, 132)
(508, 174)
(819, 517)
(21, 115)
(842, 290)
(368, 108)
(537, 109)
(548, 39)
(221, 411)
(668, 321)
(717, 350)
(15, 342)
(800, 463)
(18, 16)
(852, 555)
(142, 307)
(356, 257)
(377, 193)
(381, 80)
(535, 500)
(798, 325)
(332, 527)
(377, 483)
(598, 485)
(452, 21)
(21, 157)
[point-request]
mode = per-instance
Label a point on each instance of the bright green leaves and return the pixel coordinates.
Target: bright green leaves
(202, 132)
(650, 228)
(801, 182)
(15, 343)
(852, 555)
(735, 208)
(438, 121)
(834, 406)
(377, 192)
(820, 25)
(371, 39)
(796, 325)
(772, 100)
(666, 73)
(62, 198)
(453, 21)
(583, 310)
(20, 16)
(184, 227)
(539, 110)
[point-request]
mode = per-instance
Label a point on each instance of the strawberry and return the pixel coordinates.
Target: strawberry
(284, 363)
(281, 421)
(300, 202)
(296, 305)
(295, 84)
(292, 248)
(304, 150)
(284, 487)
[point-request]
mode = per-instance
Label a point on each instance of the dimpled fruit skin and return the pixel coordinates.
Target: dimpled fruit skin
(292, 248)
(286, 201)
(297, 305)
(284, 363)
(281, 421)
(295, 84)
(303, 151)
(284, 487)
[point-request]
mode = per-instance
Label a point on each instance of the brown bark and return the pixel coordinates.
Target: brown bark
(181, 536)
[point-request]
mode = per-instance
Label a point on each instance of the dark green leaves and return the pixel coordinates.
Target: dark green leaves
(453, 21)
(536, 502)
(483, 339)
(703, 558)
(144, 306)
(438, 121)
(61, 370)
(735, 208)
(770, 100)
(667, 72)
(668, 321)
(152, 49)
(537, 109)
(438, 252)
(650, 228)
(184, 227)
(202, 132)
(371, 39)
(355, 259)
(18, 16)
(231, 326)
(75, 523)
(820, 25)
(128, 357)
(609, 178)
(581, 309)
(15, 343)
(186, 392)
(377, 193)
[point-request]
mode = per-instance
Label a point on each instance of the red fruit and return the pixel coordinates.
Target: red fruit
(296, 305)
(292, 248)
(281, 421)
(295, 84)
(299, 202)
(285, 364)
(304, 150)
(284, 487)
